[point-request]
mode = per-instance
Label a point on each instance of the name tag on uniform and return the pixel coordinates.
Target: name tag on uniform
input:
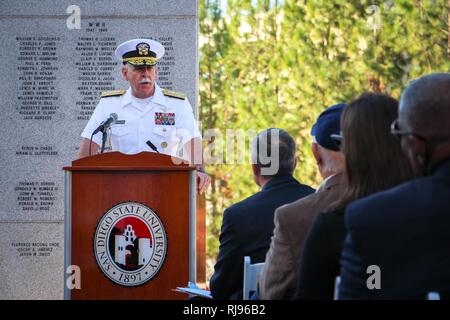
(165, 118)
(120, 122)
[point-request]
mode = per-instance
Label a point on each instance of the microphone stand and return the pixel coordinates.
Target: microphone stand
(104, 136)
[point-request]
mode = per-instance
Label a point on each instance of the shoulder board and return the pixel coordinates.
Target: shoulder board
(174, 94)
(113, 93)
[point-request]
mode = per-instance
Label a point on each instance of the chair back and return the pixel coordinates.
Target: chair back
(251, 274)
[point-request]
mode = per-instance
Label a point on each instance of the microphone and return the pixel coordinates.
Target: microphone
(152, 146)
(107, 123)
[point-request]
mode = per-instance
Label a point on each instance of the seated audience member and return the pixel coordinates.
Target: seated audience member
(373, 162)
(292, 221)
(405, 231)
(248, 225)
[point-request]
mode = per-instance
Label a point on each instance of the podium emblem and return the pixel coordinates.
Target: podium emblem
(130, 244)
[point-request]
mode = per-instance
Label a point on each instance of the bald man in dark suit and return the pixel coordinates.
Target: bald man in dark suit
(405, 231)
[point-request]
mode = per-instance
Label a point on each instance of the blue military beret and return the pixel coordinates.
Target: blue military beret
(328, 123)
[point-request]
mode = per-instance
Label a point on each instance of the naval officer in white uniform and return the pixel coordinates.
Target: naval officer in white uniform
(148, 117)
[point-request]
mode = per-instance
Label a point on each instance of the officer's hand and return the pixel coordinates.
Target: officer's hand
(203, 181)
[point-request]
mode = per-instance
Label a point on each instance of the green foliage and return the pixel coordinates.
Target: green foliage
(280, 63)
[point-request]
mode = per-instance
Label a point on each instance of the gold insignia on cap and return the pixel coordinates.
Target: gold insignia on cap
(113, 93)
(164, 144)
(150, 61)
(174, 94)
(143, 49)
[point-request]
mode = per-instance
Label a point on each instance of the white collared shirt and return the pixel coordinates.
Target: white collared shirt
(167, 122)
(324, 183)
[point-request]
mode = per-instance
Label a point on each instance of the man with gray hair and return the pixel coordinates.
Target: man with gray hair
(398, 241)
(144, 118)
(292, 221)
(248, 225)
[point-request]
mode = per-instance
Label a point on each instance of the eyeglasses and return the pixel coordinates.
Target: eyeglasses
(396, 131)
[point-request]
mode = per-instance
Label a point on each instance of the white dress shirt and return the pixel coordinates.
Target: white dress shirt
(167, 122)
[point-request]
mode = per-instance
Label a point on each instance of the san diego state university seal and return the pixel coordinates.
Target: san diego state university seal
(130, 244)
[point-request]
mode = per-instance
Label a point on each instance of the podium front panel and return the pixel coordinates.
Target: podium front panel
(94, 194)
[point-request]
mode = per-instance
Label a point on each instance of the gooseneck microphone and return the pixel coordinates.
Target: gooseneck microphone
(152, 146)
(107, 123)
(103, 127)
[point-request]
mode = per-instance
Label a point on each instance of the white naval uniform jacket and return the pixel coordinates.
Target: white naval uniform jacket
(136, 125)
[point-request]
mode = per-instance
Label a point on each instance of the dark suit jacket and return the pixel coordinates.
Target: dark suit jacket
(406, 232)
(247, 227)
(319, 265)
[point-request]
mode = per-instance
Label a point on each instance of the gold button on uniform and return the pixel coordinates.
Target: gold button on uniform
(164, 144)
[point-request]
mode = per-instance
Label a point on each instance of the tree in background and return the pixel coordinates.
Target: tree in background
(269, 63)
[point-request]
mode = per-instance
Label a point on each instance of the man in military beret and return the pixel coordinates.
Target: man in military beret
(146, 117)
(292, 221)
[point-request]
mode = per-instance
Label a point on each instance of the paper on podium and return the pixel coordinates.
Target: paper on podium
(194, 290)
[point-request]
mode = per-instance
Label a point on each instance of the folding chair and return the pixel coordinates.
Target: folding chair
(337, 282)
(251, 274)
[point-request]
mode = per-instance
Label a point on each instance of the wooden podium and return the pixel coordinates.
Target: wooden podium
(131, 226)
